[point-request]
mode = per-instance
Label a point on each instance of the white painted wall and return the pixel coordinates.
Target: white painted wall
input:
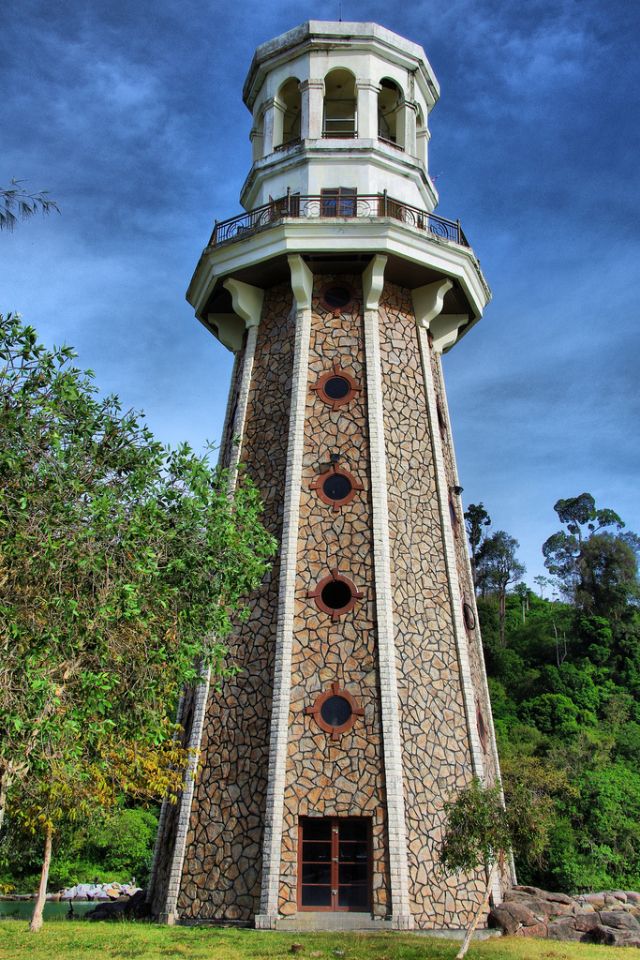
(366, 163)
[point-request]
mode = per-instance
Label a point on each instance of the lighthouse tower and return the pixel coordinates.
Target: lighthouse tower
(360, 706)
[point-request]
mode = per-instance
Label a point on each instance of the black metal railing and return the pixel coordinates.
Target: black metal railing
(373, 206)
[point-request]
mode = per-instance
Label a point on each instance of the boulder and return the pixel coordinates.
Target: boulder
(130, 908)
(100, 894)
(620, 920)
(564, 929)
(587, 921)
(539, 930)
(614, 937)
(519, 912)
(595, 899)
(545, 894)
(502, 919)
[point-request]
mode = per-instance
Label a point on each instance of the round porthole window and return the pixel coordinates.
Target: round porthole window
(336, 296)
(336, 486)
(336, 387)
(469, 616)
(335, 595)
(335, 711)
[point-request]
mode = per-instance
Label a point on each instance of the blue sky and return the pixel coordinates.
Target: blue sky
(130, 114)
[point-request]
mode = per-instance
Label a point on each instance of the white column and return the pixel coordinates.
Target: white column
(372, 285)
(302, 284)
(272, 129)
(312, 108)
(367, 110)
(247, 302)
(408, 140)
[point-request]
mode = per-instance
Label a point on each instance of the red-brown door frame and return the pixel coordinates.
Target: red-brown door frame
(335, 886)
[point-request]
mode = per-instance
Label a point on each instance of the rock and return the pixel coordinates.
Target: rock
(564, 929)
(135, 907)
(113, 891)
(539, 930)
(633, 897)
(545, 894)
(620, 920)
(619, 895)
(100, 894)
(519, 912)
(502, 919)
(595, 899)
(587, 921)
(610, 936)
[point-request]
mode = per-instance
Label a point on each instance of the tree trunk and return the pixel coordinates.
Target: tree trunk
(36, 919)
(474, 923)
(4, 788)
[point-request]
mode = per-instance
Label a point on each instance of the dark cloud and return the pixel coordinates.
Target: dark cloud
(131, 115)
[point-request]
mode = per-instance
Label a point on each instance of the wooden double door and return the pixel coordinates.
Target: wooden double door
(334, 863)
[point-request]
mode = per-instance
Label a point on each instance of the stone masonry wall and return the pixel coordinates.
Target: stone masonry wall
(328, 777)
(436, 752)
(222, 867)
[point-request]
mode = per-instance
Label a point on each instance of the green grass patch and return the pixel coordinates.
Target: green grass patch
(139, 941)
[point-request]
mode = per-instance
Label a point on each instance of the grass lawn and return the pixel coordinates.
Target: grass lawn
(70, 940)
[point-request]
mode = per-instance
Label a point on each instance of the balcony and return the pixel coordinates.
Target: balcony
(327, 206)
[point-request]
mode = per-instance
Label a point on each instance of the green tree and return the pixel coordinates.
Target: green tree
(476, 519)
(122, 566)
(17, 203)
(497, 567)
(596, 566)
(476, 835)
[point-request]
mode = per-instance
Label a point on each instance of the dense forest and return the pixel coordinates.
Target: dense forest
(564, 672)
(563, 660)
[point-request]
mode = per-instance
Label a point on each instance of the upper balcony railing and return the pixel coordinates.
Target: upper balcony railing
(333, 205)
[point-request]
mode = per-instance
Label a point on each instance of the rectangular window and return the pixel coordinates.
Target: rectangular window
(334, 863)
(339, 202)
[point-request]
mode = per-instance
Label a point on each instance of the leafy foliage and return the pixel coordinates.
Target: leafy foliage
(122, 566)
(16, 202)
(477, 829)
(565, 687)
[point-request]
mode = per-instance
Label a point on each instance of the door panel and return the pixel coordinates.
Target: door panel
(334, 864)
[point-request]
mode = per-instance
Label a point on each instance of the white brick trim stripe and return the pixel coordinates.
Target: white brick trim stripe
(392, 745)
(302, 283)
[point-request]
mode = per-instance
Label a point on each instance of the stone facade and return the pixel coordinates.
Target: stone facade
(345, 776)
(436, 751)
(327, 777)
(222, 864)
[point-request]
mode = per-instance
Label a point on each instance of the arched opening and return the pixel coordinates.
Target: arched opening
(390, 108)
(340, 115)
(290, 104)
(421, 137)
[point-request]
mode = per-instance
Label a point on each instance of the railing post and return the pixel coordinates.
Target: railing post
(215, 232)
(288, 207)
(384, 203)
(459, 231)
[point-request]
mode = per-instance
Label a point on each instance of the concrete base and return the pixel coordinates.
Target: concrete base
(327, 920)
(309, 921)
